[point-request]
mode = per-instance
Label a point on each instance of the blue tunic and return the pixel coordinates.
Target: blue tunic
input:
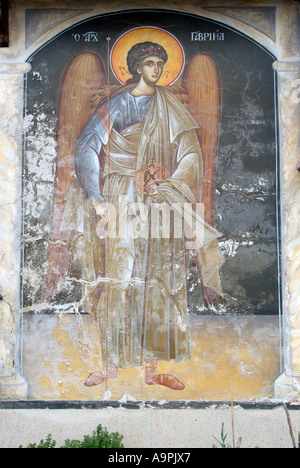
(125, 110)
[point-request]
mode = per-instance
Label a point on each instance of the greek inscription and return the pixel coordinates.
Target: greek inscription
(76, 37)
(207, 37)
(90, 36)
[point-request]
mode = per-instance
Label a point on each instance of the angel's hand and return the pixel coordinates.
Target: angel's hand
(101, 210)
(152, 192)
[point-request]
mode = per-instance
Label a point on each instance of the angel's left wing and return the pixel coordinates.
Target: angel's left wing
(82, 79)
(200, 93)
(201, 80)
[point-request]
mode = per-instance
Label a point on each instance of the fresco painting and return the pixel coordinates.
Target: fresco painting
(154, 203)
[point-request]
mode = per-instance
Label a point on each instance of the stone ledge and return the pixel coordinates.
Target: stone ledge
(151, 427)
(141, 405)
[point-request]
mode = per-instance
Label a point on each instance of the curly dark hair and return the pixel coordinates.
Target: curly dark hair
(138, 53)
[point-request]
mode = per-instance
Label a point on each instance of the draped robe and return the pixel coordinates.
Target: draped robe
(136, 283)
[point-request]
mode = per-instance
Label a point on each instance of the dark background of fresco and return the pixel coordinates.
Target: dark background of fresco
(246, 202)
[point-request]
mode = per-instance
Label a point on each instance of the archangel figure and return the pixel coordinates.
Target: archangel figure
(125, 152)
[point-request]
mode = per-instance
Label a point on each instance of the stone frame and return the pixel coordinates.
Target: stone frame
(281, 38)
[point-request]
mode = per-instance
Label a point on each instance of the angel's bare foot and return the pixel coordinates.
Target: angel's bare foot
(167, 380)
(96, 378)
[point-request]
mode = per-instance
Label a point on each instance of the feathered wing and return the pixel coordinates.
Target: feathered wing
(201, 94)
(202, 82)
(83, 78)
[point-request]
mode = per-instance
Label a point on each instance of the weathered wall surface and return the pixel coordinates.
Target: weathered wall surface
(248, 354)
(245, 213)
(243, 364)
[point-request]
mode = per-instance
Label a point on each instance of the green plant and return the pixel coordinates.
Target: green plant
(48, 443)
(222, 442)
(100, 438)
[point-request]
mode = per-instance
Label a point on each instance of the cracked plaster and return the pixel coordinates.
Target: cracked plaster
(11, 90)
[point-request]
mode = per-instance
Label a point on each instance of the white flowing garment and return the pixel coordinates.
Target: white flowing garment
(136, 278)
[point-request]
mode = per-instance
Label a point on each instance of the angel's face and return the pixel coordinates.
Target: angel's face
(151, 70)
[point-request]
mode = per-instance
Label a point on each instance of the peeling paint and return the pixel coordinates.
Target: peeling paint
(245, 212)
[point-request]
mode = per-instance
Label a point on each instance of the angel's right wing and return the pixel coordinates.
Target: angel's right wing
(83, 77)
(202, 82)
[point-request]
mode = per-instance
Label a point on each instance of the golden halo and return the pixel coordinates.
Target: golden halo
(176, 59)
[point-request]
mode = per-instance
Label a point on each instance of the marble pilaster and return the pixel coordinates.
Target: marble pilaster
(288, 72)
(12, 384)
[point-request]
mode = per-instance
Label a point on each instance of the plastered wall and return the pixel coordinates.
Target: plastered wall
(47, 351)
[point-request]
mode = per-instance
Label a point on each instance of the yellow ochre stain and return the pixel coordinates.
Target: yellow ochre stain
(45, 382)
